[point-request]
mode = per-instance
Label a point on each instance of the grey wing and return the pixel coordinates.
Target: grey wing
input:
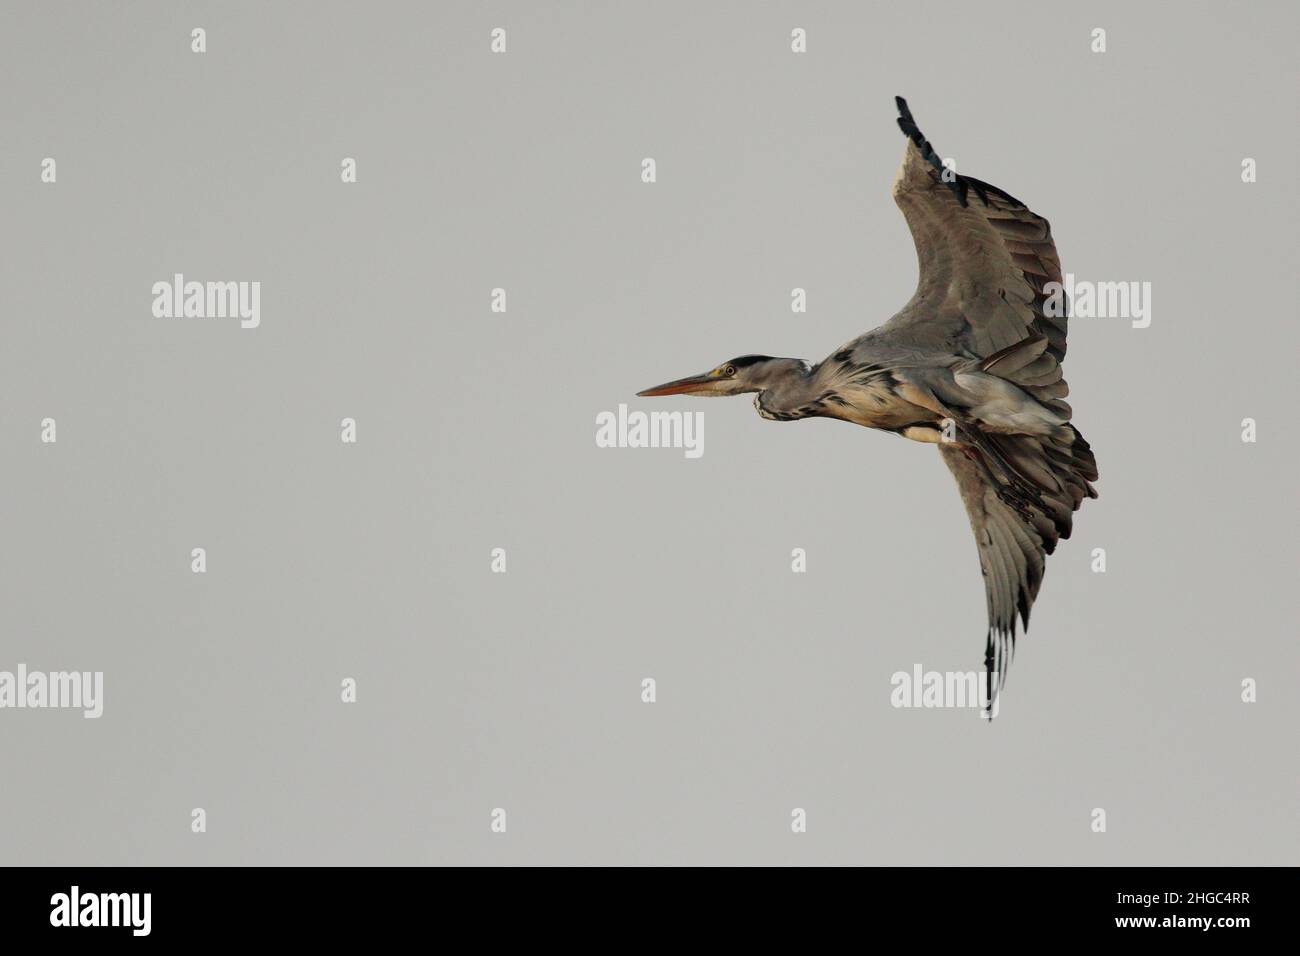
(985, 259)
(1012, 557)
(986, 262)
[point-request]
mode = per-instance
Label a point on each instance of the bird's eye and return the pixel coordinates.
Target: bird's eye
(729, 370)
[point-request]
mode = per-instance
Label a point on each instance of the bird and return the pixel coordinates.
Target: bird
(972, 364)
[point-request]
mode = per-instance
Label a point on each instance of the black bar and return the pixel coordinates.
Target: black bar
(214, 905)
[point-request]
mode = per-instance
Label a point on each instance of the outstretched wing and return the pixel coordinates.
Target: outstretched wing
(984, 261)
(1012, 557)
(1015, 534)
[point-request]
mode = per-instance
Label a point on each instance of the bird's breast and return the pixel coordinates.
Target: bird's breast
(876, 404)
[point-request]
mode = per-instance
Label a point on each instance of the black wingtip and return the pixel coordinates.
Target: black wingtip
(960, 185)
(988, 675)
(907, 124)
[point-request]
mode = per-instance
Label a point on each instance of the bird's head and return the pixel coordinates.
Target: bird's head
(748, 373)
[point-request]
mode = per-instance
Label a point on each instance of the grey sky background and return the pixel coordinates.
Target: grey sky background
(476, 431)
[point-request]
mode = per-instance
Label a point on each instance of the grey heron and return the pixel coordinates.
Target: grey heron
(972, 363)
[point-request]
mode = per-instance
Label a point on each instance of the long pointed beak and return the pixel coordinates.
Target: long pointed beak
(682, 386)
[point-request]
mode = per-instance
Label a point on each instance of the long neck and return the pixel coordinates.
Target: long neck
(789, 391)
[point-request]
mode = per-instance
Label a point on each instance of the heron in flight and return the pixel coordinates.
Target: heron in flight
(972, 363)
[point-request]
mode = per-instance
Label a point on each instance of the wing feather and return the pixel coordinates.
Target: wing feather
(985, 260)
(1012, 554)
